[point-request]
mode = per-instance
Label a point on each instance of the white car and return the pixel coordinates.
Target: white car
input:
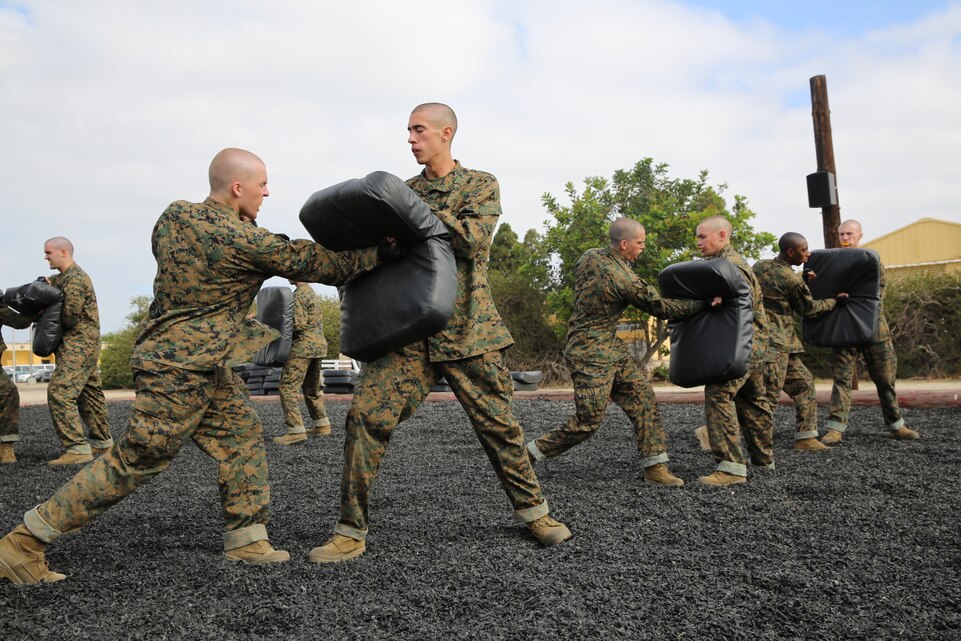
(24, 377)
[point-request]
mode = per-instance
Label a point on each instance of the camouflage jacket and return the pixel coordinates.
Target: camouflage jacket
(80, 318)
(12, 319)
(604, 285)
(884, 332)
(309, 341)
(759, 351)
(468, 202)
(210, 266)
(785, 294)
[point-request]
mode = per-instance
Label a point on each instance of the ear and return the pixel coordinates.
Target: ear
(446, 133)
(236, 189)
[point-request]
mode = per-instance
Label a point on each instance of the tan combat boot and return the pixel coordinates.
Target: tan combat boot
(702, 438)
(905, 433)
(809, 445)
(321, 427)
(22, 559)
(719, 479)
(833, 437)
(660, 475)
(70, 458)
(290, 439)
(548, 531)
(257, 552)
(6, 453)
(337, 548)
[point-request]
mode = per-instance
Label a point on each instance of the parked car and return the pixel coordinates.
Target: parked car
(43, 376)
(24, 377)
(8, 371)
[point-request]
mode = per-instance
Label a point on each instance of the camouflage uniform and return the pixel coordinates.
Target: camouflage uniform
(785, 293)
(741, 404)
(210, 266)
(9, 396)
(605, 284)
(882, 364)
(74, 394)
(303, 368)
(466, 352)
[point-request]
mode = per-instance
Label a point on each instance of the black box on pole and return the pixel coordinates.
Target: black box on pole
(822, 192)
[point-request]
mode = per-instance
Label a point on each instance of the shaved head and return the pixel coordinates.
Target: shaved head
(791, 240)
(232, 165)
(439, 114)
(624, 229)
(59, 242)
(717, 223)
(849, 233)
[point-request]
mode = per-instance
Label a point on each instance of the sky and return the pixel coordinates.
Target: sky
(110, 111)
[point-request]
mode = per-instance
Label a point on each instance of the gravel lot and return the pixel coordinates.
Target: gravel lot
(861, 542)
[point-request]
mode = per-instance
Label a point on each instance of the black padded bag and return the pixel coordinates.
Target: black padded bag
(48, 331)
(853, 322)
(275, 308)
(33, 297)
(713, 346)
(398, 302)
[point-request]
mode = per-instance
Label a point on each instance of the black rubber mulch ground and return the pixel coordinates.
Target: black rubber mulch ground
(861, 542)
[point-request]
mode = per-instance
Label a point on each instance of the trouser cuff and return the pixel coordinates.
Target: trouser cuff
(346, 530)
(531, 514)
(657, 459)
(234, 539)
(322, 422)
(800, 436)
(837, 427)
(101, 445)
(79, 449)
(9, 438)
(737, 469)
(40, 528)
(534, 452)
(297, 429)
(898, 424)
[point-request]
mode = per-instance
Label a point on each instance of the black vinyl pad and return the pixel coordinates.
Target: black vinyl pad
(31, 298)
(275, 308)
(853, 322)
(401, 301)
(713, 346)
(48, 332)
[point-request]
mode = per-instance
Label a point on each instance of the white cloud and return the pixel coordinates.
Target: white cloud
(109, 111)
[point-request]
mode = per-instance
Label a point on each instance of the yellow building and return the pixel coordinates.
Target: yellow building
(927, 244)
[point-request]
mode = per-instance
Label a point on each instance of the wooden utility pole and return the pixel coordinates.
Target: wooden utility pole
(824, 147)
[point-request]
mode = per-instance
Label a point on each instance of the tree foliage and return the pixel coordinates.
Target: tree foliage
(518, 276)
(670, 210)
(115, 372)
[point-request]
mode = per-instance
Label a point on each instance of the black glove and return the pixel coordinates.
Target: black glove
(390, 250)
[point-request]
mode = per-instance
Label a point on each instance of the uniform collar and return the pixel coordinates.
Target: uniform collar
(444, 183)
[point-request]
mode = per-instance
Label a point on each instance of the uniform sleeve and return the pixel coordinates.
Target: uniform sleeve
(804, 304)
(74, 298)
(472, 226)
(647, 299)
(303, 260)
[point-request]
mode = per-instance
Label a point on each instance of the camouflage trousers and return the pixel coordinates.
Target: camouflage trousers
(630, 389)
(882, 365)
(75, 398)
(789, 373)
(302, 374)
(9, 410)
(173, 405)
(389, 391)
(740, 407)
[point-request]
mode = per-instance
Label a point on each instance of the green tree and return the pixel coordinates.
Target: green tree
(115, 372)
(330, 311)
(519, 278)
(670, 210)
